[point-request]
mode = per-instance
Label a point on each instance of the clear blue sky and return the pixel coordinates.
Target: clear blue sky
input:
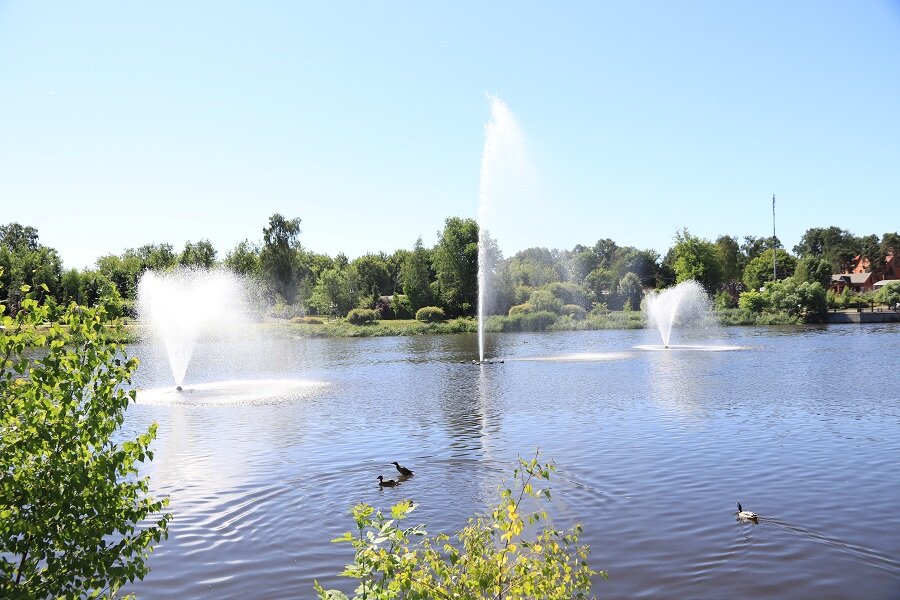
(124, 123)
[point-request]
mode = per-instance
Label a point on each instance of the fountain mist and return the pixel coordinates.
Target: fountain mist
(503, 171)
(177, 307)
(685, 305)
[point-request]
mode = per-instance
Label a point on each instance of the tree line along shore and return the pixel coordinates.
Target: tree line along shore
(754, 280)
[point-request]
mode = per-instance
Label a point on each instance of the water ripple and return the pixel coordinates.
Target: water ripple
(652, 454)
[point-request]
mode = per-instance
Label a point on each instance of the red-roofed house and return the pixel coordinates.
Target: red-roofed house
(860, 279)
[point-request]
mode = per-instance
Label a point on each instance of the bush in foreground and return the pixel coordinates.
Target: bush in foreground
(491, 557)
(73, 512)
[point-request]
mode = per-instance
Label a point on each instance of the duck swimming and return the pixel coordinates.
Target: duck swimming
(382, 482)
(403, 470)
(746, 515)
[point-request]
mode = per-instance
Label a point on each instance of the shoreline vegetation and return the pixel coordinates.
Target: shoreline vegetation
(297, 291)
(128, 331)
(620, 320)
(323, 327)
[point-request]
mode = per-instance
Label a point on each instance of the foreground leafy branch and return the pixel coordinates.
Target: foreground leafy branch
(491, 557)
(75, 520)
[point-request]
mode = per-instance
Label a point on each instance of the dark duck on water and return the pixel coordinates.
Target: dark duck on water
(402, 470)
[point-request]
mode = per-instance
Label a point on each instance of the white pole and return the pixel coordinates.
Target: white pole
(774, 246)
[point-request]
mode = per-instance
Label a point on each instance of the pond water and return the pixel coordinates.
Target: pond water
(653, 450)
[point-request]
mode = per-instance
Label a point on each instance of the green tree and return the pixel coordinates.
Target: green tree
(415, 277)
(870, 249)
(545, 300)
(124, 271)
(582, 262)
(536, 267)
(75, 518)
(18, 237)
(70, 287)
(156, 257)
(890, 243)
(889, 295)
(570, 293)
(606, 251)
(278, 257)
(696, 259)
(759, 270)
(315, 264)
(847, 297)
(333, 294)
(730, 257)
(202, 255)
(372, 276)
(25, 261)
(643, 263)
(243, 259)
(754, 246)
(455, 261)
(630, 291)
(85, 288)
(602, 282)
(394, 263)
(813, 268)
(796, 298)
(788, 297)
(834, 245)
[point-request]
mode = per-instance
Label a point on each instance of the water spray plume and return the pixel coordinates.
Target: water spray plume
(504, 171)
(176, 308)
(686, 305)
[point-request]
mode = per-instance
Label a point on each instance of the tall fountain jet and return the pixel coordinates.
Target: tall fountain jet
(504, 172)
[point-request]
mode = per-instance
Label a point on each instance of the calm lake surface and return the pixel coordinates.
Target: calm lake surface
(653, 449)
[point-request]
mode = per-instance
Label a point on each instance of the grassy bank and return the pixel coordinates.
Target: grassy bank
(314, 327)
(537, 321)
(128, 332)
(342, 328)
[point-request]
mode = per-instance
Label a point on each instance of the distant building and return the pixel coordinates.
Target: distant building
(860, 279)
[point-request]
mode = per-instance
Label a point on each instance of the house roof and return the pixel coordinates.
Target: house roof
(885, 282)
(852, 278)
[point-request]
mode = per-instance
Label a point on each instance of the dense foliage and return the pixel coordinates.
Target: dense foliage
(889, 295)
(75, 519)
(298, 282)
(511, 553)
